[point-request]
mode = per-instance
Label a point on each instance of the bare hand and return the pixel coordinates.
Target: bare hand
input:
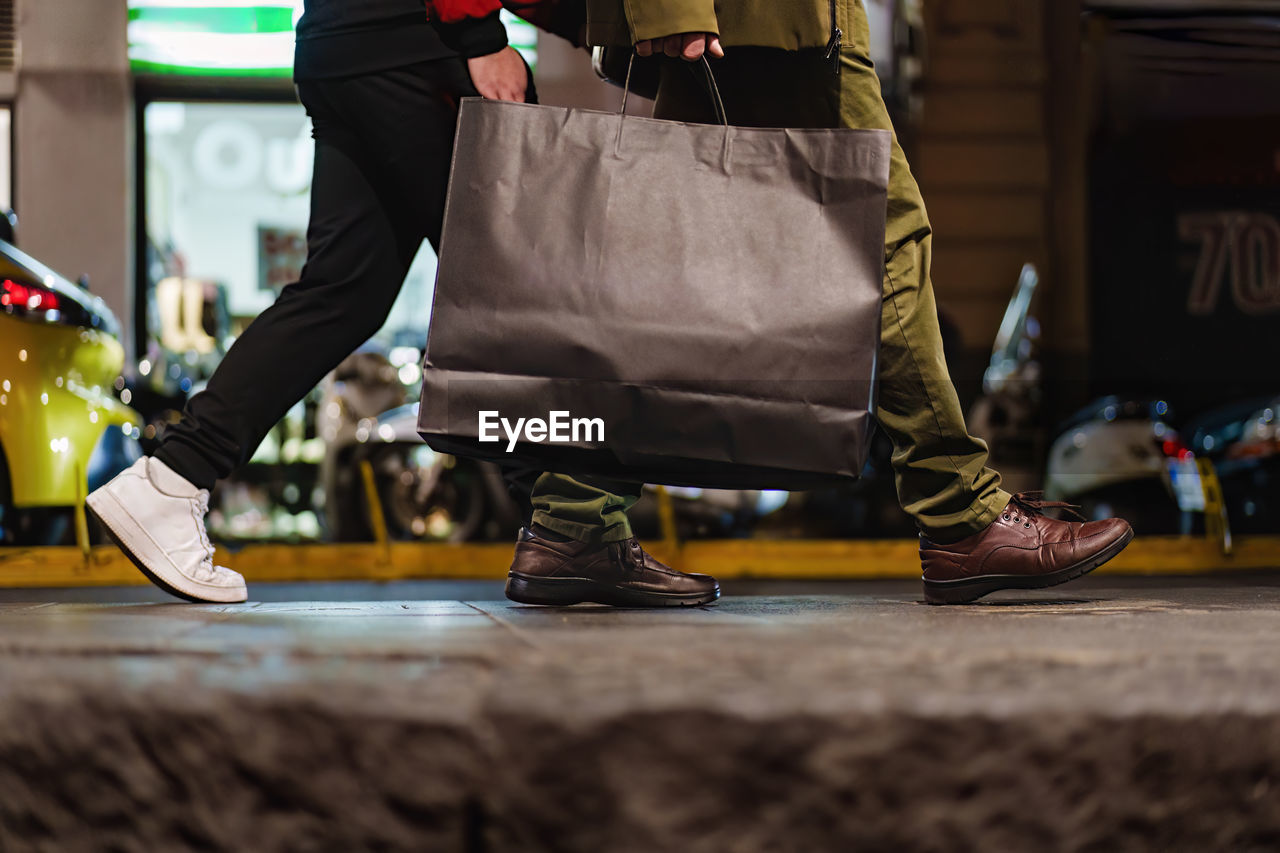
(689, 46)
(500, 76)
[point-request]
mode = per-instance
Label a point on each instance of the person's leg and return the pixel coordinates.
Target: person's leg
(586, 509)
(383, 144)
(976, 538)
(579, 548)
(356, 262)
(942, 474)
(942, 478)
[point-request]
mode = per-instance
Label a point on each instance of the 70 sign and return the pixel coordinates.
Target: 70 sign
(1237, 247)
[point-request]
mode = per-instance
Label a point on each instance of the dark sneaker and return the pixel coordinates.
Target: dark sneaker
(1022, 549)
(617, 573)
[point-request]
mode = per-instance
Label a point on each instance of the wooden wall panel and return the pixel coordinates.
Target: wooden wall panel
(1000, 163)
(981, 153)
(989, 272)
(962, 69)
(996, 218)
(981, 111)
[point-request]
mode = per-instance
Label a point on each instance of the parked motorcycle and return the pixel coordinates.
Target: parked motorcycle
(1123, 457)
(377, 470)
(1115, 456)
(1008, 413)
(1242, 440)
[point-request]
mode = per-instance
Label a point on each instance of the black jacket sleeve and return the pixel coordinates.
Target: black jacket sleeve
(474, 36)
(565, 18)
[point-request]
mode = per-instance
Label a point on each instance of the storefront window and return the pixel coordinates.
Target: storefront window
(227, 201)
(224, 209)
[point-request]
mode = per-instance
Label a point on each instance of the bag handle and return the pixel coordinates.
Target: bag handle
(721, 116)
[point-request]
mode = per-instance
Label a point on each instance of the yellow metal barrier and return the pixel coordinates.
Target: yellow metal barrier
(727, 560)
(377, 519)
(1216, 524)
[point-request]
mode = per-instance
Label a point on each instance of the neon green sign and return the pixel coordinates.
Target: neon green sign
(235, 38)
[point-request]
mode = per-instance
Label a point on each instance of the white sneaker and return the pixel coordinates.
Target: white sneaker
(157, 518)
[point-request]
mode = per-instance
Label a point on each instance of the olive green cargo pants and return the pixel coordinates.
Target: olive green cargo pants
(942, 477)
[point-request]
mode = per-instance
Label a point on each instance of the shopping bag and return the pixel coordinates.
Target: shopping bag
(657, 301)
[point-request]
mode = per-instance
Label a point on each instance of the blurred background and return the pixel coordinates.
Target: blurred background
(1101, 176)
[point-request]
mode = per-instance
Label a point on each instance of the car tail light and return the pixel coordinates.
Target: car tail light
(1172, 447)
(27, 297)
(41, 304)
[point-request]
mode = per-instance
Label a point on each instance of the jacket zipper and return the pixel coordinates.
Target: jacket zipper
(833, 44)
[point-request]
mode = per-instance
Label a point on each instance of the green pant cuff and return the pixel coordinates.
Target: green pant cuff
(978, 517)
(591, 533)
(991, 509)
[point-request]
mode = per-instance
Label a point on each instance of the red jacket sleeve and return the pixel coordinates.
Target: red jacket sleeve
(449, 11)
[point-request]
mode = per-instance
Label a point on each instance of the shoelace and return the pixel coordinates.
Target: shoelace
(1033, 504)
(202, 501)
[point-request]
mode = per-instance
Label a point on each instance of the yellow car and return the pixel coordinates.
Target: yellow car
(62, 430)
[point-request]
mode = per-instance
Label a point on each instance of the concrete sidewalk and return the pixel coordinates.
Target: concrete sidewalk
(1110, 714)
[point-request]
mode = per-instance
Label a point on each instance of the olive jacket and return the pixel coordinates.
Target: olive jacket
(788, 24)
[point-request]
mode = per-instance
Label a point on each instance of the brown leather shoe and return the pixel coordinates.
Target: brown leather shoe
(617, 573)
(1022, 549)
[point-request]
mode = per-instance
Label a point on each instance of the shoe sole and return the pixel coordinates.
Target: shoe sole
(120, 525)
(967, 590)
(563, 592)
